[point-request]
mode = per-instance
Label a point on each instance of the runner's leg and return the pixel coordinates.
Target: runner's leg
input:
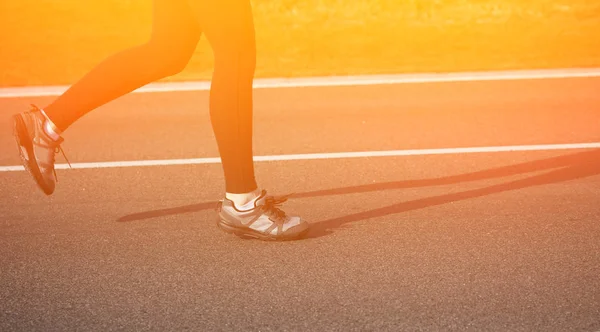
(175, 34)
(229, 27)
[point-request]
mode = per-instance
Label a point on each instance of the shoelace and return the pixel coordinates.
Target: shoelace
(56, 151)
(271, 206)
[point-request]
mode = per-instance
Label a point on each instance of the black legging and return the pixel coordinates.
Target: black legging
(177, 27)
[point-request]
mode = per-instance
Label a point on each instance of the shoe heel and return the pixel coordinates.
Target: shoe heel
(20, 132)
(21, 135)
(23, 141)
(224, 227)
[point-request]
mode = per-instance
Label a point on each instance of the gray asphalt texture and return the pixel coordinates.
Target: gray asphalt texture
(462, 242)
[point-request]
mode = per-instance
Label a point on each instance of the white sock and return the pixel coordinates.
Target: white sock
(243, 201)
(50, 128)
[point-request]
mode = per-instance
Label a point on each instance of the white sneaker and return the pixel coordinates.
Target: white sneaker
(37, 150)
(264, 221)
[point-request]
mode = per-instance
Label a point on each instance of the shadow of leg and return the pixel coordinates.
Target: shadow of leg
(325, 227)
(588, 161)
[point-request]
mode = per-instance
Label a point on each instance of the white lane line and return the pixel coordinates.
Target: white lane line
(315, 156)
(271, 83)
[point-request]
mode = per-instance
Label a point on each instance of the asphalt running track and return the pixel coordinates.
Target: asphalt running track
(487, 241)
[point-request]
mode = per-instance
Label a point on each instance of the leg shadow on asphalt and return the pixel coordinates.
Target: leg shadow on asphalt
(561, 168)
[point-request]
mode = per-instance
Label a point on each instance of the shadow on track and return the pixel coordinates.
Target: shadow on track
(561, 168)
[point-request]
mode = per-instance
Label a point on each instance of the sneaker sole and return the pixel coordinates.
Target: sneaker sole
(247, 233)
(23, 141)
